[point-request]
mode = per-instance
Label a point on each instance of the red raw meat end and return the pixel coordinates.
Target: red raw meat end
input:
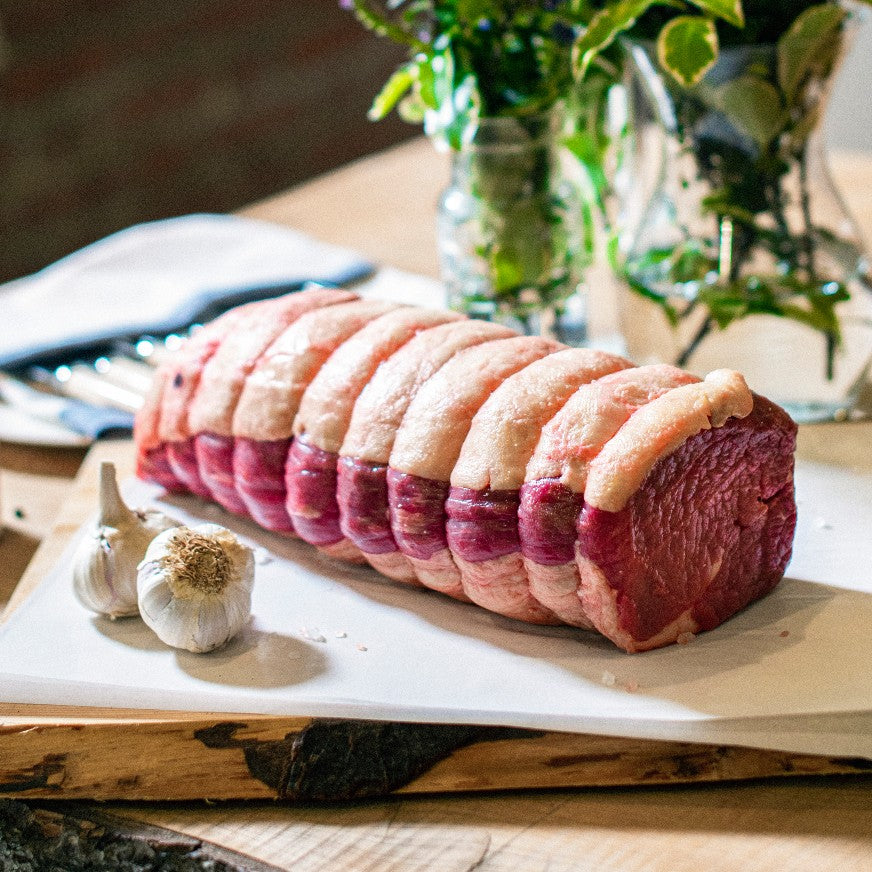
(154, 465)
(709, 531)
(547, 518)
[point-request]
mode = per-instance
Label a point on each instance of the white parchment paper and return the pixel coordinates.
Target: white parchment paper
(329, 639)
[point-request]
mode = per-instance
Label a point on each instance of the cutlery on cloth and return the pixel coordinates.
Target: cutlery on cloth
(156, 279)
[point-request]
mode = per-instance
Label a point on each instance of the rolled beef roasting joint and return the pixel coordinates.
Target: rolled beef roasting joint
(548, 484)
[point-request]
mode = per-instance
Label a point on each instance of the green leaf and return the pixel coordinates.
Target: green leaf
(729, 10)
(724, 305)
(690, 264)
(604, 27)
(825, 322)
(427, 81)
(687, 48)
(376, 21)
(581, 145)
(411, 109)
(719, 202)
(453, 97)
(754, 106)
(613, 253)
(392, 91)
(800, 48)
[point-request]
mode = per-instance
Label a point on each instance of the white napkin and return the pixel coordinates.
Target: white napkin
(159, 277)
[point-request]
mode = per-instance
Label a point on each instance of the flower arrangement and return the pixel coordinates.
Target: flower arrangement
(744, 119)
(471, 58)
(745, 125)
(491, 80)
(495, 81)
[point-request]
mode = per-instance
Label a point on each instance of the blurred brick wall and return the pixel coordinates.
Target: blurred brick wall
(118, 111)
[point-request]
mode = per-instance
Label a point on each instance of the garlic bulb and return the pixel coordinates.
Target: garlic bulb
(195, 586)
(104, 565)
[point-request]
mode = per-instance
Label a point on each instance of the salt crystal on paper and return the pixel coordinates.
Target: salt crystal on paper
(822, 524)
(341, 634)
(362, 648)
(262, 556)
(608, 679)
(631, 686)
(313, 635)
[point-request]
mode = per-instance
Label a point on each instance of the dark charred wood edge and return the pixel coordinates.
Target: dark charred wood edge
(338, 760)
(34, 826)
(46, 774)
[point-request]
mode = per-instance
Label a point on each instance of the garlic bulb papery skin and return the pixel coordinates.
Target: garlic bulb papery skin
(104, 565)
(194, 586)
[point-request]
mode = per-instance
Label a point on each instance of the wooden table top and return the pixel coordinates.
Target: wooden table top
(383, 207)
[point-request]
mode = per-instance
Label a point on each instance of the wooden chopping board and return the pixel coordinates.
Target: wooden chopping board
(95, 753)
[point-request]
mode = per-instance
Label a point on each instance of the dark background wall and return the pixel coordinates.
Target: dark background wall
(118, 111)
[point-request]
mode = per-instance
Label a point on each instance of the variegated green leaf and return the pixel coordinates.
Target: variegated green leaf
(729, 10)
(687, 48)
(602, 30)
(811, 34)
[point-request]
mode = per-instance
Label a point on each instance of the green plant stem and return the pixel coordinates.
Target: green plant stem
(704, 329)
(805, 204)
(524, 231)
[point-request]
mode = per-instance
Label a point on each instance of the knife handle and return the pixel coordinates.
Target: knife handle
(81, 382)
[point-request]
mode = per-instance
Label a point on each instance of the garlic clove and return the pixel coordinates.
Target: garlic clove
(155, 521)
(114, 512)
(212, 628)
(105, 562)
(194, 586)
(153, 599)
(100, 577)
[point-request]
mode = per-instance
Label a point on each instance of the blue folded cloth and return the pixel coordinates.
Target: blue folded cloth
(157, 278)
(95, 421)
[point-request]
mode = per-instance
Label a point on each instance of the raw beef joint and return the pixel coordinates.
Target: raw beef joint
(548, 484)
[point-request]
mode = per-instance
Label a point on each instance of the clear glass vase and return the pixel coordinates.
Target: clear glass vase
(514, 230)
(741, 253)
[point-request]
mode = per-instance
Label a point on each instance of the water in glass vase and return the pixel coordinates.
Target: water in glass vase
(514, 231)
(742, 253)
